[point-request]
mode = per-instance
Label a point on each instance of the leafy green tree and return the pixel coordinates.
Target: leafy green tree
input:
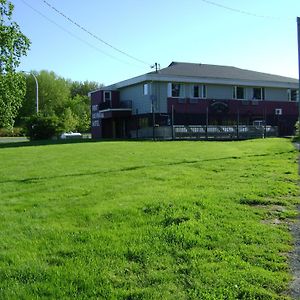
(54, 94)
(69, 121)
(59, 97)
(41, 127)
(80, 106)
(13, 45)
(83, 88)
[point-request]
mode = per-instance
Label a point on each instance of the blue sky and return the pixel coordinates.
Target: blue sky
(158, 31)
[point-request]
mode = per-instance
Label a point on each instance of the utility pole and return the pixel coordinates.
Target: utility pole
(172, 114)
(153, 119)
(298, 27)
(156, 66)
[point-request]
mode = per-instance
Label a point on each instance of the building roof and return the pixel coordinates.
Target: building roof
(209, 74)
(224, 72)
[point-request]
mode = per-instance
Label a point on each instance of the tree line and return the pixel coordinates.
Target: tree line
(64, 101)
(64, 105)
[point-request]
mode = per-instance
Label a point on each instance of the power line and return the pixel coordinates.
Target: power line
(73, 35)
(244, 12)
(93, 35)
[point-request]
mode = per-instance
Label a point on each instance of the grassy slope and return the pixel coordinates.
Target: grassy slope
(143, 220)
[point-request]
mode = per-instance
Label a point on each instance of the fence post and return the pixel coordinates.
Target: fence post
(206, 131)
(237, 126)
(172, 116)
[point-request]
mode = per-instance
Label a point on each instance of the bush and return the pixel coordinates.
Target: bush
(17, 131)
(42, 127)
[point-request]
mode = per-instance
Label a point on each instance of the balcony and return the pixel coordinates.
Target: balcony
(111, 105)
(115, 109)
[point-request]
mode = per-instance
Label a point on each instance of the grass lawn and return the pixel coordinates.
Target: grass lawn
(147, 220)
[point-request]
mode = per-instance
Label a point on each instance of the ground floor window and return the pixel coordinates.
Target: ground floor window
(143, 122)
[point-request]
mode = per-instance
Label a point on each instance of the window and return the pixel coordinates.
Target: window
(293, 95)
(238, 92)
(107, 96)
(176, 87)
(196, 93)
(143, 122)
(258, 94)
(146, 89)
(203, 91)
(197, 89)
(176, 90)
(94, 107)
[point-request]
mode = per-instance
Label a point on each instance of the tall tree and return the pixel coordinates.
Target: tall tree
(54, 93)
(13, 45)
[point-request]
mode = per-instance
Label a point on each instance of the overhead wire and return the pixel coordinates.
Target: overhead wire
(73, 35)
(94, 35)
(245, 12)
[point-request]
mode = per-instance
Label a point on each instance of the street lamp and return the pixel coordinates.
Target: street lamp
(37, 89)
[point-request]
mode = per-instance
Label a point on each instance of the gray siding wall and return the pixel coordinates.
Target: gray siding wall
(160, 89)
(274, 94)
(160, 92)
(219, 91)
(139, 101)
(143, 102)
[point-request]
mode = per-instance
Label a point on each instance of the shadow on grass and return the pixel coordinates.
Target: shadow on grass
(134, 168)
(16, 144)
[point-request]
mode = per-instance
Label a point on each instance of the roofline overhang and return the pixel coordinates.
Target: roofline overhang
(191, 79)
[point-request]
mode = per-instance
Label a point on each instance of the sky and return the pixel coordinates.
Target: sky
(116, 40)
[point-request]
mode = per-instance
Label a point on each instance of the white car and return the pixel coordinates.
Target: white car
(70, 135)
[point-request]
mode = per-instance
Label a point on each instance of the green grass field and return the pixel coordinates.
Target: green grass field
(147, 220)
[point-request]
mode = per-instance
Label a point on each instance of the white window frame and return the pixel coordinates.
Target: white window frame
(204, 91)
(289, 91)
(235, 92)
(146, 89)
(181, 90)
(106, 99)
(262, 93)
(199, 91)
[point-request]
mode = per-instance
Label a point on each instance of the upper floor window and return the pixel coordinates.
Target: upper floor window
(107, 96)
(176, 90)
(146, 89)
(258, 94)
(196, 91)
(238, 92)
(203, 91)
(293, 95)
(199, 91)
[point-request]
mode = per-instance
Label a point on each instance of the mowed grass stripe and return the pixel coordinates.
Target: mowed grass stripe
(171, 220)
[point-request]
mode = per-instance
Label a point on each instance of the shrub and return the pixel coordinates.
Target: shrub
(17, 131)
(42, 127)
